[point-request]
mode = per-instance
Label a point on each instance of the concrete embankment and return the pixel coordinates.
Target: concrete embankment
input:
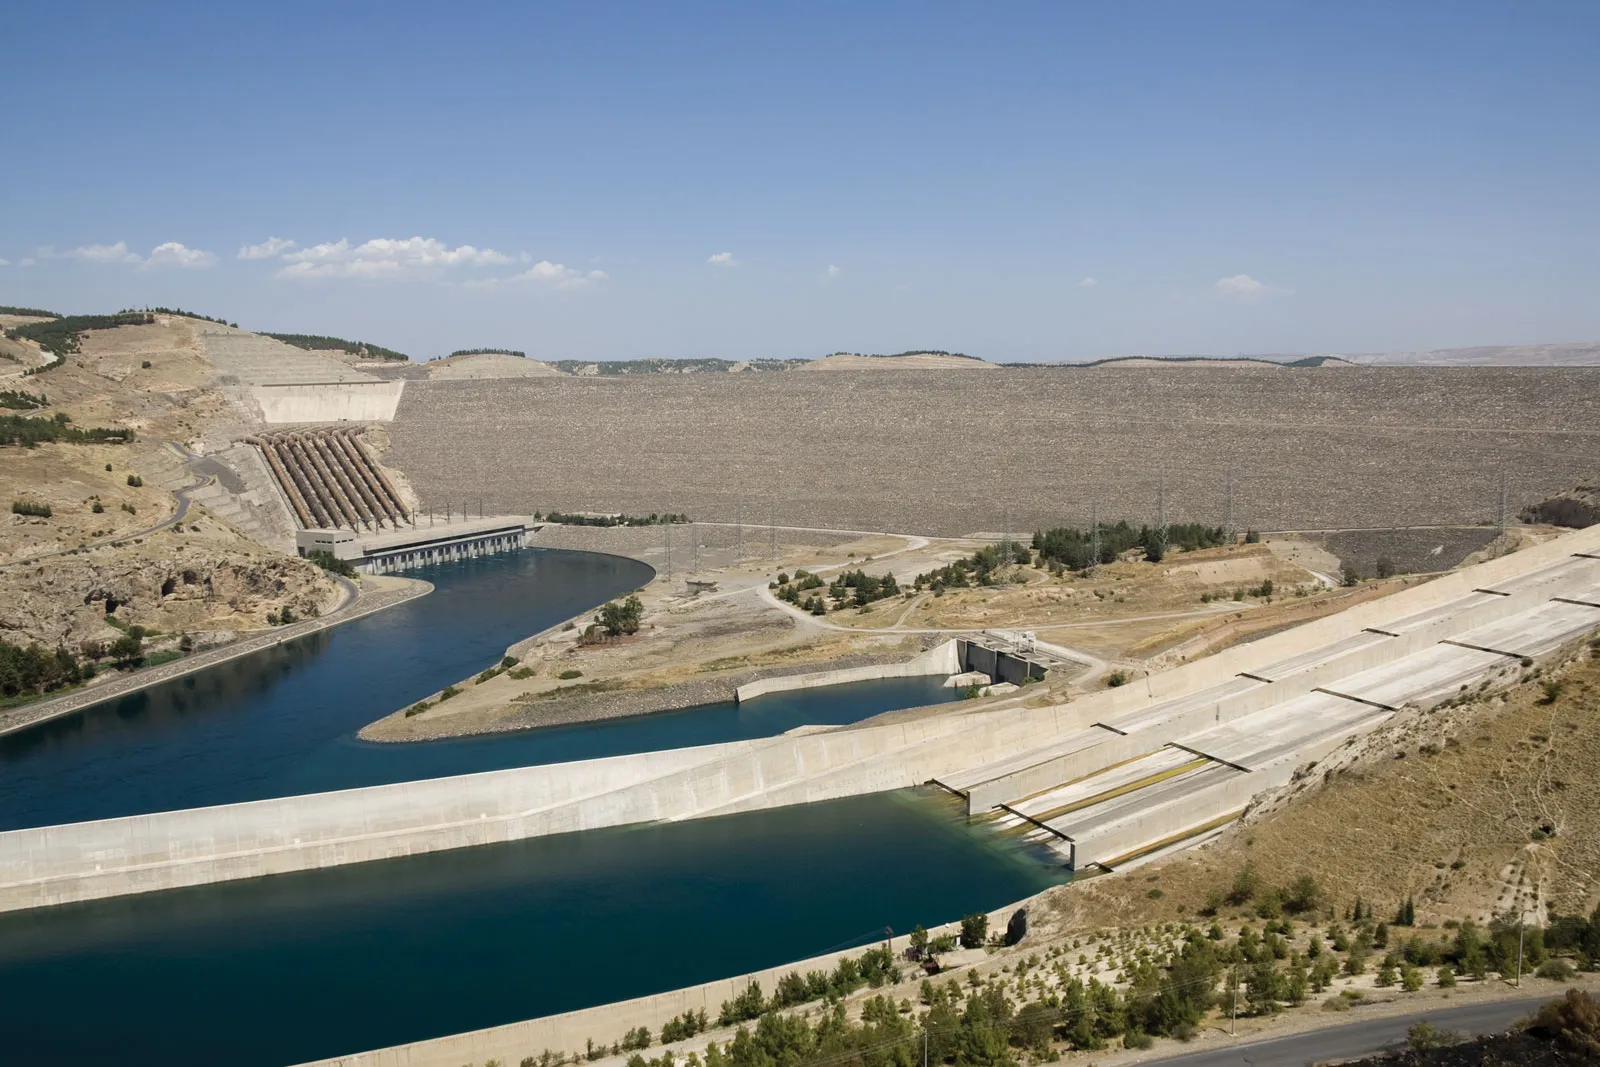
(392, 591)
(85, 861)
(942, 659)
(557, 709)
(570, 1031)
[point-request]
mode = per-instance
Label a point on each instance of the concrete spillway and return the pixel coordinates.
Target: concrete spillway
(1247, 718)
(330, 480)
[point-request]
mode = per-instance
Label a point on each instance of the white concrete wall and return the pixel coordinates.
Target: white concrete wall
(940, 660)
(84, 861)
(373, 401)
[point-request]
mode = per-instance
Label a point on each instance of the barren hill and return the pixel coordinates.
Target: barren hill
(488, 365)
(1579, 354)
(902, 361)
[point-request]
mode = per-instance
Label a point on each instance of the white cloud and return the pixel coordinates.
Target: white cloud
(26, 261)
(1088, 283)
(117, 253)
(173, 254)
(558, 275)
(272, 246)
(722, 259)
(385, 257)
(831, 273)
(5, 263)
(1243, 289)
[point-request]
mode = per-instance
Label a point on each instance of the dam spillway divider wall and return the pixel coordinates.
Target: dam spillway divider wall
(56, 864)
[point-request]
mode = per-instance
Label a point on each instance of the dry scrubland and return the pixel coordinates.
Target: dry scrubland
(951, 452)
(200, 578)
(1486, 806)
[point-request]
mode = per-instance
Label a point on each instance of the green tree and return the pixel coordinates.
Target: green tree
(974, 930)
(617, 619)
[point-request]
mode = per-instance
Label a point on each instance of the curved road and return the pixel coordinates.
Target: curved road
(182, 496)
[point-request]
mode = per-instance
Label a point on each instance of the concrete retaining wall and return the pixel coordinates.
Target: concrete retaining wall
(943, 659)
(373, 401)
(143, 853)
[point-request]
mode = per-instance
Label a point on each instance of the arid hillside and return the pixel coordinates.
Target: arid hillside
(86, 546)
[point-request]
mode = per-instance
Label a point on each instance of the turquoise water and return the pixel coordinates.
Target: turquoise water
(282, 721)
(280, 970)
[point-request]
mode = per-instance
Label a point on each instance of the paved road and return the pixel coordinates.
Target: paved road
(1364, 1038)
(182, 496)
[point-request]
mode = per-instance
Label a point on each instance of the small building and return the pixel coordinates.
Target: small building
(696, 586)
(340, 544)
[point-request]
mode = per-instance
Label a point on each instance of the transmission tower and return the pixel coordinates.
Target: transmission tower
(1161, 504)
(738, 530)
(666, 529)
(772, 530)
(1505, 510)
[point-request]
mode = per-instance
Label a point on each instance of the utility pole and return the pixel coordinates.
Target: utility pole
(1227, 507)
(1521, 919)
(1505, 515)
(738, 531)
(1233, 1017)
(694, 534)
(666, 528)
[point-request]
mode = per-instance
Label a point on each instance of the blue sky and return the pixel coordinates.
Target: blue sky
(1021, 182)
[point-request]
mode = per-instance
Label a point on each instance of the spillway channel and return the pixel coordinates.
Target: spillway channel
(284, 969)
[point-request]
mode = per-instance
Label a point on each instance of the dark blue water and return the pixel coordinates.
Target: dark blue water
(282, 970)
(282, 721)
(295, 967)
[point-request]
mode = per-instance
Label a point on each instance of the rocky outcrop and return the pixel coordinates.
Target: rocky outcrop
(187, 586)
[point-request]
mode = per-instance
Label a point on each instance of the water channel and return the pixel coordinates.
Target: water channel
(284, 969)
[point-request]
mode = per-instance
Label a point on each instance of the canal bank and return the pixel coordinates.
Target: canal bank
(322, 963)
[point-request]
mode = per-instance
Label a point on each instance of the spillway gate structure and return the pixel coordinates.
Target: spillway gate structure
(331, 481)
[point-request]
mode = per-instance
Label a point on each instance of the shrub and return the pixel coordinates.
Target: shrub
(145, 365)
(1116, 679)
(507, 662)
(97, 507)
(1573, 1023)
(28, 507)
(135, 481)
(448, 691)
(1425, 1036)
(569, 674)
(974, 930)
(1556, 970)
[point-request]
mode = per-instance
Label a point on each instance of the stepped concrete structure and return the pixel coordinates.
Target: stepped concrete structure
(1107, 778)
(283, 384)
